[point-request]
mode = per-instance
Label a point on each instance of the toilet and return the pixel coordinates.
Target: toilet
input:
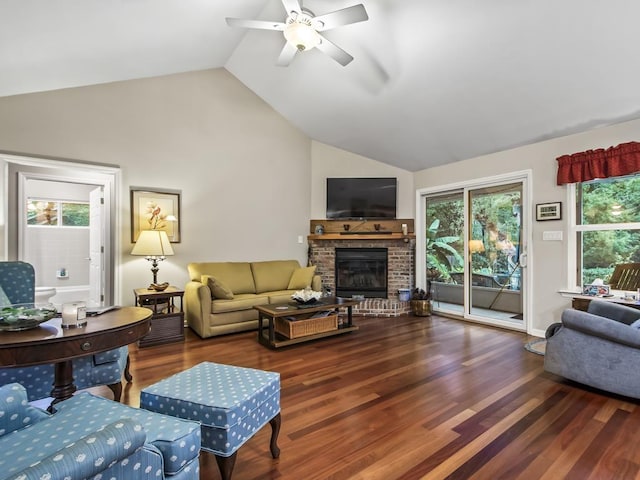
(44, 294)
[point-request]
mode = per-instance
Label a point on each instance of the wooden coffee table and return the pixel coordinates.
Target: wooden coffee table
(268, 336)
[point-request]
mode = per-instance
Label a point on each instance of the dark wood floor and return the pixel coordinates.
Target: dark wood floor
(412, 398)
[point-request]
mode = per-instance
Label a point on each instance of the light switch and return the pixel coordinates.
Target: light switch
(552, 236)
(300, 239)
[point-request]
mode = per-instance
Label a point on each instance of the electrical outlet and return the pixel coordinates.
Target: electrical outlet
(300, 239)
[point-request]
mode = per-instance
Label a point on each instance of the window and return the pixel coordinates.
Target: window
(56, 213)
(607, 226)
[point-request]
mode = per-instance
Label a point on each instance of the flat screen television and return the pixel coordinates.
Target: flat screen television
(351, 198)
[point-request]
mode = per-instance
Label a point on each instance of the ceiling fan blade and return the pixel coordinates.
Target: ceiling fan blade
(259, 24)
(335, 52)
(286, 55)
(292, 6)
(346, 16)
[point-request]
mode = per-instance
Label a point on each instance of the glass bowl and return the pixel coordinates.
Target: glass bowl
(24, 316)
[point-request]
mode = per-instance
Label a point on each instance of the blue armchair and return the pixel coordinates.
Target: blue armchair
(93, 437)
(17, 285)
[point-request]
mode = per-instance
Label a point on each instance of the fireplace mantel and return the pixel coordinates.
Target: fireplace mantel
(331, 229)
(356, 236)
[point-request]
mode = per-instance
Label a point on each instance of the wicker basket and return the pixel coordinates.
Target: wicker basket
(421, 308)
(304, 327)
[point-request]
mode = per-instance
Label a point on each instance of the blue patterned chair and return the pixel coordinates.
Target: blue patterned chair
(93, 437)
(17, 285)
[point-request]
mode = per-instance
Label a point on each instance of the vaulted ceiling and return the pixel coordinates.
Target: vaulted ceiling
(433, 81)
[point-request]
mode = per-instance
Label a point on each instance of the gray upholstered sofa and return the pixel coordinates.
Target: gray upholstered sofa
(599, 347)
(220, 296)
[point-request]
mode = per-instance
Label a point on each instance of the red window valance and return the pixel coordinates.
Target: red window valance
(623, 159)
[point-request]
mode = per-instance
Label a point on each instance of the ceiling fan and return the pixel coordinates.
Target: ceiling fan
(301, 30)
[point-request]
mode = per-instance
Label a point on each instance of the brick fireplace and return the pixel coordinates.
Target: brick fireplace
(400, 269)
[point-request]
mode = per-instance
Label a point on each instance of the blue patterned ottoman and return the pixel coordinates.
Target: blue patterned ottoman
(231, 403)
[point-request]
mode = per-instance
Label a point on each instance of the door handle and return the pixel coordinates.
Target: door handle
(522, 260)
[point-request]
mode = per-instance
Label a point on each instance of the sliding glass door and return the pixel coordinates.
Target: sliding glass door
(495, 238)
(474, 251)
(444, 242)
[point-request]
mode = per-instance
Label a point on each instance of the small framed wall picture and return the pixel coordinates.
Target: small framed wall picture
(155, 209)
(549, 211)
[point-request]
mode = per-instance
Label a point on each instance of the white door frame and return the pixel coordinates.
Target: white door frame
(524, 176)
(19, 168)
(96, 247)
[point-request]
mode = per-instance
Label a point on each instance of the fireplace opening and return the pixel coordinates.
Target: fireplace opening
(361, 271)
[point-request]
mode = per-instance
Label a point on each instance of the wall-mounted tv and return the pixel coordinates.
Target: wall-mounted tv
(350, 198)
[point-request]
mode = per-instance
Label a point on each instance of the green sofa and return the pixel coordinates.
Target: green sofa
(220, 296)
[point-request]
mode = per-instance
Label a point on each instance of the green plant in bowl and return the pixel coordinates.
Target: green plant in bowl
(27, 315)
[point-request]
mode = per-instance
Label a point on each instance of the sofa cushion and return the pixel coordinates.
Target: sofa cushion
(88, 456)
(273, 275)
(15, 411)
(237, 276)
(218, 288)
(301, 278)
(280, 296)
(244, 301)
(178, 440)
(43, 451)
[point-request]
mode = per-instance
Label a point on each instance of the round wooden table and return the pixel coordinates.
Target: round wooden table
(50, 343)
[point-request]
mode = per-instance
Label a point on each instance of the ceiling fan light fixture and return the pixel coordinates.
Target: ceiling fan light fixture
(303, 36)
(302, 30)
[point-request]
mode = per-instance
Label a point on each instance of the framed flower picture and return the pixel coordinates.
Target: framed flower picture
(154, 209)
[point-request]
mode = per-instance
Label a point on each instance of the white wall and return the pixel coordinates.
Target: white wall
(243, 170)
(548, 259)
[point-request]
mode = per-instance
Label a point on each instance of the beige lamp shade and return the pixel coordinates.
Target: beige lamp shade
(476, 246)
(152, 243)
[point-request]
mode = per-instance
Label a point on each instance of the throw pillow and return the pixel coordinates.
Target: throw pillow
(218, 288)
(301, 278)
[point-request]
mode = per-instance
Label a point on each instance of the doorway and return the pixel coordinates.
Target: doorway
(473, 251)
(72, 253)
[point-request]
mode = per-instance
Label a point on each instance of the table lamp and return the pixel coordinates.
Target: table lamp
(476, 246)
(155, 246)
